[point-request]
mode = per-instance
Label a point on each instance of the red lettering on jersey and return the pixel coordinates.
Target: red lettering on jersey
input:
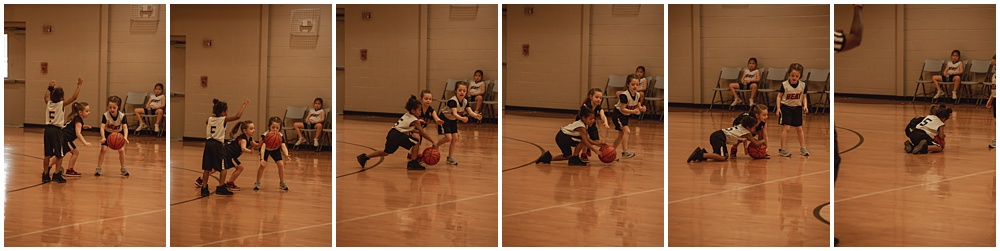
(793, 95)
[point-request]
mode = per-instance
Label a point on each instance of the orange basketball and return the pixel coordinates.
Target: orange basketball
(431, 156)
(608, 154)
(939, 140)
(757, 152)
(272, 140)
(115, 141)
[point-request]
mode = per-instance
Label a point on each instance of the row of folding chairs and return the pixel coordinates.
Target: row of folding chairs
(298, 114)
(489, 108)
(817, 82)
(976, 81)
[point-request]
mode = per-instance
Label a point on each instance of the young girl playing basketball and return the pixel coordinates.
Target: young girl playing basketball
(793, 102)
(55, 119)
(457, 106)
(274, 124)
(593, 103)
(112, 121)
(156, 104)
(399, 136)
(314, 120)
(628, 104)
(953, 71)
(759, 112)
(427, 115)
(215, 153)
(74, 130)
(749, 80)
(927, 131)
(574, 135)
(243, 143)
(728, 136)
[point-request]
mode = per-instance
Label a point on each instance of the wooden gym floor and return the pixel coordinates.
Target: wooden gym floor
(269, 217)
(386, 205)
(746, 202)
(885, 197)
(110, 210)
(617, 204)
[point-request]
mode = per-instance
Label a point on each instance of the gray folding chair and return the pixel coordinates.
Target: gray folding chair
(976, 76)
(727, 75)
(449, 91)
(817, 82)
(615, 82)
(930, 67)
(294, 114)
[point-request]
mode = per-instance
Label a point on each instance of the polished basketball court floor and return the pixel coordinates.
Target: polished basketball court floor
(885, 197)
(617, 204)
(780, 201)
(268, 217)
(385, 204)
(110, 210)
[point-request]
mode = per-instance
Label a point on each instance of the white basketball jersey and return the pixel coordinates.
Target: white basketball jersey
(156, 101)
(631, 102)
(113, 124)
(749, 75)
(571, 129)
(461, 108)
(951, 67)
(55, 114)
(405, 123)
(734, 134)
(314, 115)
(216, 128)
(793, 95)
(930, 125)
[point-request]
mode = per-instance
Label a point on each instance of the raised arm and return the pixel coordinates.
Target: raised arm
(240, 113)
(79, 83)
(853, 39)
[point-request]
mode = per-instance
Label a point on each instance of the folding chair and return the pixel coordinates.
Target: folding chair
(817, 82)
(727, 73)
(326, 138)
(771, 78)
(297, 114)
(930, 66)
(616, 82)
(134, 100)
(978, 72)
(490, 100)
(655, 91)
(449, 90)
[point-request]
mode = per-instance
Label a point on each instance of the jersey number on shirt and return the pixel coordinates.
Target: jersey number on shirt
(213, 129)
(52, 115)
(924, 123)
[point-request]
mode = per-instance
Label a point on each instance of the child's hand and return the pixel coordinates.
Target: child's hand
(642, 108)
(422, 121)
(805, 109)
(87, 143)
(606, 125)
(126, 141)
(79, 81)
(778, 112)
(464, 119)
(289, 157)
(52, 83)
(87, 127)
(439, 122)
(103, 140)
(479, 116)
(246, 102)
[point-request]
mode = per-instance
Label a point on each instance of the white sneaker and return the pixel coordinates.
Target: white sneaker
(315, 142)
(993, 144)
(751, 102)
(141, 126)
(156, 128)
(736, 101)
(627, 154)
(805, 152)
(954, 95)
(301, 141)
(783, 152)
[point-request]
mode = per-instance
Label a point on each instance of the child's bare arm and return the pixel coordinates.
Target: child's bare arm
(52, 84)
(79, 83)
(103, 139)
(239, 114)
(754, 141)
(420, 130)
(79, 133)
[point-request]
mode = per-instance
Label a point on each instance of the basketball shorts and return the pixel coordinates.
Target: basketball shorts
(790, 115)
(718, 141)
(274, 154)
(619, 119)
(449, 126)
(53, 144)
(566, 143)
(396, 139)
(213, 156)
(917, 135)
(593, 132)
(747, 86)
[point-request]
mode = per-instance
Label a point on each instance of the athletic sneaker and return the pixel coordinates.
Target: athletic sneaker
(57, 177)
(751, 102)
(362, 159)
(156, 128)
(585, 158)
(256, 186)
(97, 172)
(993, 144)
(732, 152)
(452, 161)
(221, 190)
(124, 172)
(939, 94)
(282, 186)
(920, 147)
(300, 141)
(414, 165)
(784, 152)
(804, 151)
(545, 158)
(315, 142)
(908, 146)
(141, 126)
(198, 182)
(232, 186)
(46, 178)
(627, 154)
(697, 155)
(72, 173)
(736, 101)
(954, 95)
(204, 191)
(576, 161)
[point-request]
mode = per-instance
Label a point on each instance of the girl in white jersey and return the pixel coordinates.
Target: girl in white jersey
(273, 124)
(157, 104)
(928, 131)
(113, 121)
(748, 80)
(400, 136)
(792, 102)
(574, 135)
(55, 118)
(953, 71)
(728, 136)
(313, 120)
(215, 154)
(457, 108)
(628, 105)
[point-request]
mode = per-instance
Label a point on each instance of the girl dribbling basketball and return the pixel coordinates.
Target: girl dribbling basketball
(273, 147)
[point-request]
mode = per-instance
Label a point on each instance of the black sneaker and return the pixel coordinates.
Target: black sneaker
(920, 147)
(545, 158)
(46, 178)
(57, 177)
(576, 161)
(362, 159)
(908, 146)
(696, 155)
(204, 191)
(414, 165)
(221, 190)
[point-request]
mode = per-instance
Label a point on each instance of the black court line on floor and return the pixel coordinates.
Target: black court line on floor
(540, 149)
(818, 216)
(202, 197)
(380, 159)
(861, 139)
(35, 185)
